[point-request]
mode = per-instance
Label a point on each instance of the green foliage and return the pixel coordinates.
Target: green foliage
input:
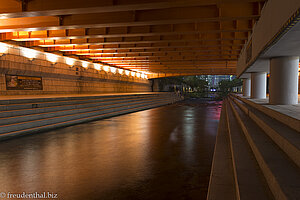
(225, 86)
(193, 82)
(196, 83)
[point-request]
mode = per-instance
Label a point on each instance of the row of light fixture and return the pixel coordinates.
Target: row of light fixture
(31, 54)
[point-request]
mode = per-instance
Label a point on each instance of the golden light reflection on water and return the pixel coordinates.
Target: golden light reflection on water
(103, 156)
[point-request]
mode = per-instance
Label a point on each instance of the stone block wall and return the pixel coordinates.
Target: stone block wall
(60, 78)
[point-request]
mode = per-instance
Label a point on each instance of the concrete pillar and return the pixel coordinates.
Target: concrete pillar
(246, 87)
(284, 80)
(258, 85)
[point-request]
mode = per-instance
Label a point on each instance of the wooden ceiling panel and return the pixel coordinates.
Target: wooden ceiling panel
(136, 34)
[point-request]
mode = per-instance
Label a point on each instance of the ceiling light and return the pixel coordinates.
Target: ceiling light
(113, 70)
(120, 71)
(29, 53)
(97, 66)
(51, 58)
(70, 61)
(106, 68)
(85, 64)
(3, 48)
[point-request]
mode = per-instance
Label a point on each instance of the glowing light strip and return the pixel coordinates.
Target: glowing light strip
(31, 54)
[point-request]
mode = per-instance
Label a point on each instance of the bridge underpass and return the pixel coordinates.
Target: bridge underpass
(64, 63)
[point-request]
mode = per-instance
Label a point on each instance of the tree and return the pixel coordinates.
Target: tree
(196, 83)
(225, 86)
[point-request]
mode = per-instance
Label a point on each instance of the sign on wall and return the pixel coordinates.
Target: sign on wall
(15, 82)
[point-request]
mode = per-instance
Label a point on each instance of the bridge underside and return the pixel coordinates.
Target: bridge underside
(158, 38)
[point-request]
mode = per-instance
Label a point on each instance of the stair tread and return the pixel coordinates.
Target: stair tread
(76, 121)
(71, 102)
(31, 121)
(286, 138)
(286, 173)
(221, 184)
(67, 109)
(269, 110)
(290, 134)
(67, 99)
(251, 182)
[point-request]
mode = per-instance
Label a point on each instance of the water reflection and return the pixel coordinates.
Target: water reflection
(162, 153)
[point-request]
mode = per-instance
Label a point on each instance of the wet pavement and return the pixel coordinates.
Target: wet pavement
(161, 153)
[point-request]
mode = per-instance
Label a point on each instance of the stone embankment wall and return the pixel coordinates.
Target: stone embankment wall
(61, 78)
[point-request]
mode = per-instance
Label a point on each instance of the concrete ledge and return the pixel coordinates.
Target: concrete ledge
(221, 184)
(286, 138)
(291, 120)
(44, 128)
(250, 182)
(77, 109)
(281, 173)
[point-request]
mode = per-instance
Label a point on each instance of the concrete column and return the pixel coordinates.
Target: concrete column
(284, 80)
(258, 85)
(246, 87)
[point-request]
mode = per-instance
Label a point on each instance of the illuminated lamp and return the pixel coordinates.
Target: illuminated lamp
(85, 64)
(113, 70)
(29, 53)
(70, 61)
(132, 73)
(3, 49)
(106, 68)
(51, 58)
(97, 66)
(127, 72)
(138, 75)
(120, 71)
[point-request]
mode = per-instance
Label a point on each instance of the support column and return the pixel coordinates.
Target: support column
(258, 85)
(246, 87)
(284, 80)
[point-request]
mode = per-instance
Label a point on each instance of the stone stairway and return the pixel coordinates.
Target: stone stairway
(25, 116)
(263, 158)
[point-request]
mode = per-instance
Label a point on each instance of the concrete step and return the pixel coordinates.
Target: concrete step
(50, 98)
(269, 110)
(249, 181)
(50, 102)
(38, 129)
(66, 117)
(221, 184)
(280, 172)
(286, 138)
(57, 107)
(41, 113)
